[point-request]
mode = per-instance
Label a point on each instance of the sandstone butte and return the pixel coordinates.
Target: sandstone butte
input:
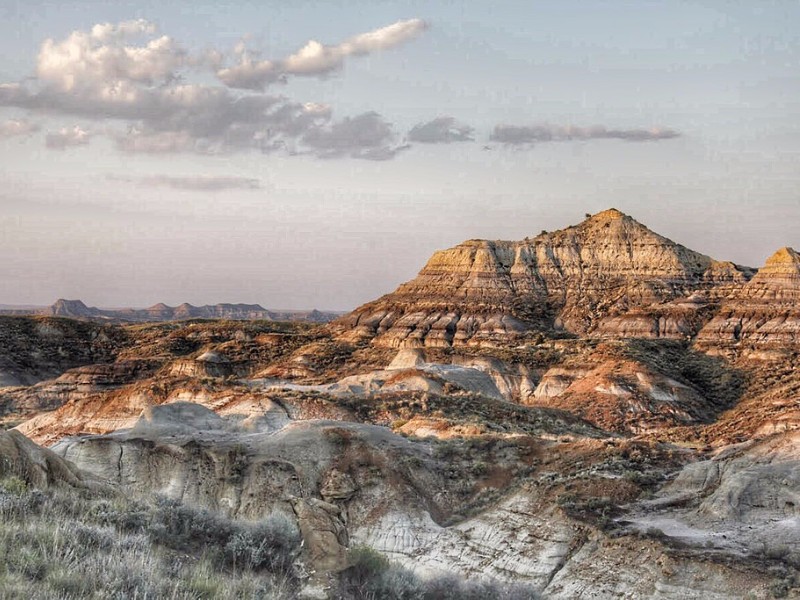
(608, 276)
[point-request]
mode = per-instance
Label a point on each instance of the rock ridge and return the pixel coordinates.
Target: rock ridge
(568, 280)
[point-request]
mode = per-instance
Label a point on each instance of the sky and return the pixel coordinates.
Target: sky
(315, 154)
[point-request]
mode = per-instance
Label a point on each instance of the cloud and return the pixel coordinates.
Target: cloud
(314, 58)
(222, 124)
(66, 137)
(141, 81)
(129, 75)
(202, 183)
(102, 55)
(366, 136)
(441, 130)
(530, 134)
(14, 127)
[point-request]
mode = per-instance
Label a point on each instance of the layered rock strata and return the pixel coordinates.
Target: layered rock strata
(572, 279)
(761, 319)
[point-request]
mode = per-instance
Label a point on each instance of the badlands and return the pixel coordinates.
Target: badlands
(595, 412)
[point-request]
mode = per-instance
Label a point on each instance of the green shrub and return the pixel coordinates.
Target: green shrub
(13, 485)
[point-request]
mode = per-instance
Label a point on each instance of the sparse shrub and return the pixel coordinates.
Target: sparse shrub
(644, 479)
(447, 449)
(182, 527)
(371, 577)
(780, 588)
(793, 558)
(13, 485)
(336, 437)
(396, 583)
(442, 587)
(66, 543)
(68, 584)
(654, 532)
(776, 552)
(480, 468)
(271, 544)
(91, 537)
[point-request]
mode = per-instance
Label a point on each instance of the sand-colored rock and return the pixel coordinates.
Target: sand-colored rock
(573, 279)
(623, 396)
(761, 320)
(37, 466)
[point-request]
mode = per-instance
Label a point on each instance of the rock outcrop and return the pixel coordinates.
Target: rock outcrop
(33, 349)
(744, 499)
(74, 309)
(761, 319)
(37, 466)
(351, 484)
(75, 385)
(578, 279)
(208, 364)
(623, 396)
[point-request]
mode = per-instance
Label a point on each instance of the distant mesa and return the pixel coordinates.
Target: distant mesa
(76, 309)
(70, 308)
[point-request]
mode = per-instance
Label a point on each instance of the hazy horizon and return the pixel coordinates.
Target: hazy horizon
(315, 155)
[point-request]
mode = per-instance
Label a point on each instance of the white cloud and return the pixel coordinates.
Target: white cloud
(66, 137)
(129, 74)
(315, 58)
(125, 73)
(385, 37)
(101, 57)
(14, 127)
(250, 73)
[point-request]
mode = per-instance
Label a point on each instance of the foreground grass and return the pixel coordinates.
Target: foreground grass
(71, 544)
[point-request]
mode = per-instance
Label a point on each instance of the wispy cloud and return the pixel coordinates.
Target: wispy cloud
(15, 127)
(314, 58)
(441, 130)
(66, 137)
(531, 134)
(199, 183)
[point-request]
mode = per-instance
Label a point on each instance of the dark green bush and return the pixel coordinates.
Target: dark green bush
(371, 577)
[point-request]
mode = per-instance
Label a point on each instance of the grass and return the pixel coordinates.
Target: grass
(372, 577)
(66, 543)
(71, 543)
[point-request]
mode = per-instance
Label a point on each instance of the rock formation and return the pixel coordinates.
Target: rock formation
(415, 501)
(36, 348)
(598, 411)
(576, 279)
(37, 466)
(762, 318)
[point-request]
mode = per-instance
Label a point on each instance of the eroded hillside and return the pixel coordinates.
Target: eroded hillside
(596, 412)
